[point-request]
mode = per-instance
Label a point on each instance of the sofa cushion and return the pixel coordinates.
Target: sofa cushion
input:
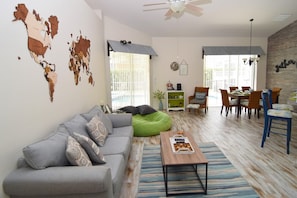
(90, 147)
(126, 131)
(117, 166)
(48, 152)
(96, 110)
(145, 109)
(76, 154)
(97, 130)
(77, 124)
(117, 145)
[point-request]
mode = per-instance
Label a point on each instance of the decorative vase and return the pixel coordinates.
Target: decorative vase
(160, 105)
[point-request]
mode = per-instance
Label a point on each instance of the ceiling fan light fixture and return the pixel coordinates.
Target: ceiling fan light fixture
(177, 5)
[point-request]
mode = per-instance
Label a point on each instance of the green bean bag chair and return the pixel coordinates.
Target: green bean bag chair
(151, 124)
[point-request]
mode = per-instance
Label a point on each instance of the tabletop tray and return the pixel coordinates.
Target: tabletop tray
(181, 145)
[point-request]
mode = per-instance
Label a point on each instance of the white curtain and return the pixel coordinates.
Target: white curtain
(129, 79)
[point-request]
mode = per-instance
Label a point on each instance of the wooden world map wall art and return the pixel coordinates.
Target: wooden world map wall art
(40, 33)
(79, 60)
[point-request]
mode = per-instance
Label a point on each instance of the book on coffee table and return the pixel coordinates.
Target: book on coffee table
(181, 145)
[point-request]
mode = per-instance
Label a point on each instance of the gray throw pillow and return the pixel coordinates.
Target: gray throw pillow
(48, 152)
(77, 124)
(76, 155)
(130, 109)
(90, 147)
(97, 130)
(199, 98)
(145, 109)
(96, 110)
(200, 95)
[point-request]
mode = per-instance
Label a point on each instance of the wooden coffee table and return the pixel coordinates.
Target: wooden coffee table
(170, 159)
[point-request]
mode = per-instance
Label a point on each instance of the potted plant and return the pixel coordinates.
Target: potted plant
(160, 95)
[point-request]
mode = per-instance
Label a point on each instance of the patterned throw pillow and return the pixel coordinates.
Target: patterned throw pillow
(76, 154)
(97, 130)
(96, 110)
(90, 147)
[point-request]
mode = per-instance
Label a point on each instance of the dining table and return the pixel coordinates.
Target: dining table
(239, 95)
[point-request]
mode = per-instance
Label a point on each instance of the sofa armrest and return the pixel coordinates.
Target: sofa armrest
(58, 181)
(120, 120)
(22, 163)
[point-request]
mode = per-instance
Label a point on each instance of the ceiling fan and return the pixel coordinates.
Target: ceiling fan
(178, 6)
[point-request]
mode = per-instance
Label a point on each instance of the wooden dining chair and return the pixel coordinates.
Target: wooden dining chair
(252, 103)
(275, 94)
(227, 103)
(275, 114)
(245, 88)
(200, 97)
(233, 88)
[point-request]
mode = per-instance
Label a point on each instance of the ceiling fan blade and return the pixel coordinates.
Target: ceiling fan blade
(193, 8)
(152, 9)
(153, 4)
(199, 2)
(169, 13)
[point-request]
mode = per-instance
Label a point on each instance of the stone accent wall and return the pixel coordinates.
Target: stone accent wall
(282, 45)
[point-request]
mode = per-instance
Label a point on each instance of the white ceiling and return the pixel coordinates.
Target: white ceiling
(220, 18)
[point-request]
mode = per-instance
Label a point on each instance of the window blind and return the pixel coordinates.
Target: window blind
(117, 46)
(232, 50)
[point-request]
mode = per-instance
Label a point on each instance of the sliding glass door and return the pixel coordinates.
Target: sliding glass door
(129, 75)
(223, 71)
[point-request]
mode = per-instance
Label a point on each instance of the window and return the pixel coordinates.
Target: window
(222, 71)
(129, 79)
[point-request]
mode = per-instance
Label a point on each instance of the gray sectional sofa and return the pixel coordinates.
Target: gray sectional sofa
(46, 171)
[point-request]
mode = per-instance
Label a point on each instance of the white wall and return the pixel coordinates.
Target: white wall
(26, 113)
(171, 49)
(114, 30)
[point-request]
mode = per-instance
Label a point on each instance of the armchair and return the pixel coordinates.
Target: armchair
(200, 97)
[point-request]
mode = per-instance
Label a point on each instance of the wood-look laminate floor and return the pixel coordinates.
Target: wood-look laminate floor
(269, 170)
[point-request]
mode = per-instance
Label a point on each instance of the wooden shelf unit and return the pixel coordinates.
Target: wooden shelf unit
(175, 100)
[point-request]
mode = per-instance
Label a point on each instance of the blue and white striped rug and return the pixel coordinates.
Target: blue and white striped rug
(223, 178)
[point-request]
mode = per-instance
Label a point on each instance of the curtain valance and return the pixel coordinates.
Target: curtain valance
(118, 46)
(232, 50)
